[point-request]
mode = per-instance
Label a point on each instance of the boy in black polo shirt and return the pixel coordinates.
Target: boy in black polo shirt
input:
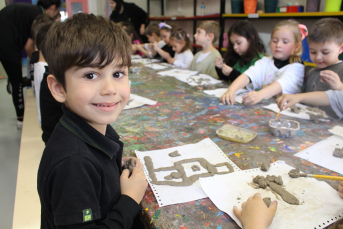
(80, 179)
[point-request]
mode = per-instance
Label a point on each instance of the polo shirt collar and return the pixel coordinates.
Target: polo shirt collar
(108, 144)
(42, 9)
(280, 63)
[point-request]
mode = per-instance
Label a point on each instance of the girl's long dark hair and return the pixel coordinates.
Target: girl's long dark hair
(245, 29)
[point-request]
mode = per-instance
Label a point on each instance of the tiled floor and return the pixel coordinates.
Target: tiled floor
(9, 154)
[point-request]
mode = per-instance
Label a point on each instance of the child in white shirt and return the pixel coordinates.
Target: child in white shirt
(182, 46)
(281, 73)
(39, 67)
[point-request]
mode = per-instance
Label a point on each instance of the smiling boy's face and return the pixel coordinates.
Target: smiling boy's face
(324, 54)
(97, 95)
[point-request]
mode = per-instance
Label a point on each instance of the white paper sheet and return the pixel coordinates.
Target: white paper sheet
(337, 130)
(144, 61)
(321, 154)
(302, 111)
(168, 65)
(135, 57)
(138, 101)
(197, 80)
(320, 204)
(156, 66)
(220, 91)
(178, 73)
(167, 195)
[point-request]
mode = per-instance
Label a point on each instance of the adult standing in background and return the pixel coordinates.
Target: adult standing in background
(125, 11)
(15, 29)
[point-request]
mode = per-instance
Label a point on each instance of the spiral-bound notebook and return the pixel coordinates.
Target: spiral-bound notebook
(167, 195)
(321, 154)
(320, 204)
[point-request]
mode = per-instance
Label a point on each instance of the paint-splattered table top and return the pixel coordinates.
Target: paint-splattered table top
(185, 115)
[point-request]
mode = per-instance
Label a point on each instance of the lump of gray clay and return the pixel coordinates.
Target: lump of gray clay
(338, 153)
(294, 109)
(261, 181)
(175, 175)
(295, 173)
(169, 177)
(129, 164)
(265, 166)
(195, 168)
(286, 196)
(174, 154)
(267, 201)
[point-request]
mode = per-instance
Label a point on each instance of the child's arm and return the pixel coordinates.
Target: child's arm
(255, 214)
(143, 50)
(319, 98)
(340, 189)
(226, 69)
(332, 79)
(170, 60)
(254, 97)
(229, 96)
(162, 53)
(133, 48)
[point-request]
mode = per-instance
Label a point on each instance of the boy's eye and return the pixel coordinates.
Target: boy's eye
(325, 53)
(91, 76)
(118, 74)
(274, 40)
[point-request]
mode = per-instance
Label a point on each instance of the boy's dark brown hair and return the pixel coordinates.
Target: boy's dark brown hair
(152, 28)
(40, 21)
(211, 27)
(326, 30)
(180, 35)
(41, 35)
(85, 40)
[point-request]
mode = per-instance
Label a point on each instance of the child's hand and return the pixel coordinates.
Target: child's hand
(255, 213)
(155, 45)
(228, 97)
(286, 100)
(332, 79)
(135, 185)
(252, 98)
(137, 162)
(340, 189)
(218, 62)
(226, 70)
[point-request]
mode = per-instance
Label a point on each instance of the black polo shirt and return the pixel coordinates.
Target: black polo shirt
(15, 28)
(50, 110)
(78, 178)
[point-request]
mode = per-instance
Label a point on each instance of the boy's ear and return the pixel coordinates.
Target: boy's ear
(211, 36)
(340, 48)
(56, 89)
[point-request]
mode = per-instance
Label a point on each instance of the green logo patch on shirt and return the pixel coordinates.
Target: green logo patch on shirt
(87, 215)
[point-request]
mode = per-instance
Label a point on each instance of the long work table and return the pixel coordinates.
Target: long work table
(184, 114)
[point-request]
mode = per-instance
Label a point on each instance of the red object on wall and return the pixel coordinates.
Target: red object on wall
(76, 6)
(292, 9)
